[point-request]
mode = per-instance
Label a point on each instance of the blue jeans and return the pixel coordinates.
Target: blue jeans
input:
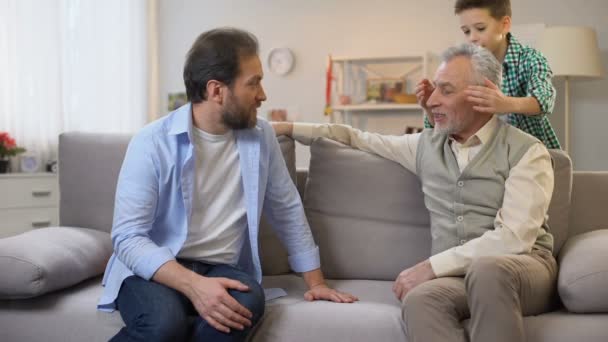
(154, 312)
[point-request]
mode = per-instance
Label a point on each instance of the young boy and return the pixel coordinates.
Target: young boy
(527, 95)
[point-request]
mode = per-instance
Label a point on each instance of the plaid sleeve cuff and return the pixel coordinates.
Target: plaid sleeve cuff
(427, 123)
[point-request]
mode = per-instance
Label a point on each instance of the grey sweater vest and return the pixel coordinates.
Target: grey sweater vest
(463, 206)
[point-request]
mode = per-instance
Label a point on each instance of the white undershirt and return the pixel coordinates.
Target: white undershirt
(219, 218)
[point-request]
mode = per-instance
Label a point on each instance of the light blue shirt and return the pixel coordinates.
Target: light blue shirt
(153, 202)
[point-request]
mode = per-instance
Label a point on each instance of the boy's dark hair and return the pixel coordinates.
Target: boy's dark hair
(216, 55)
(498, 8)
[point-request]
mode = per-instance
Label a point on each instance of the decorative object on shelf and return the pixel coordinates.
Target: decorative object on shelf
(572, 52)
(328, 78)
(281, 61)
(29, 163)
(345, 100)
(404, 98)
(384, 90)
(412, 129)
(176, 100)
(52, 166)
(8, 148)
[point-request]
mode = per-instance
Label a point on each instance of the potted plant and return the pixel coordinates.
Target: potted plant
(8, 148)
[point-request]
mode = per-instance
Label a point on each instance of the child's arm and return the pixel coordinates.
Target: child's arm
(423, 91)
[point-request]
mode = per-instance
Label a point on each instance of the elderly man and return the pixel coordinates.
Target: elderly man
(487, 186)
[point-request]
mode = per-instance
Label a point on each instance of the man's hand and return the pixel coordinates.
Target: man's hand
(413, 277)
(488, 98)
(213, 302)
(282, 128)
(324, 292)
(318, 290)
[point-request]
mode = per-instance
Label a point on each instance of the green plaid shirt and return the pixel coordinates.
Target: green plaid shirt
(525, 73)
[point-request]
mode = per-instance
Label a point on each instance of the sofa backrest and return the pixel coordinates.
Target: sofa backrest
(366, 213)
(89, 165)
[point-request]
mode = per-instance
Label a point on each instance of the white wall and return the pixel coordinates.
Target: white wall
(315, 28)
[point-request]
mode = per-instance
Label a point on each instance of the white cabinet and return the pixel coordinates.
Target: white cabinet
(381, 85)
(28, 201)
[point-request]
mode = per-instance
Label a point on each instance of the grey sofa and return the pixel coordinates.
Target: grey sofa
(368, 218)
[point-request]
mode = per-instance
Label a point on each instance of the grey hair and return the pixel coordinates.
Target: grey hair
(483, 62)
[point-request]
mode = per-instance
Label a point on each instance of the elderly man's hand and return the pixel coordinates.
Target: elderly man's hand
(324, 292)
(488, 98)
(413, 277)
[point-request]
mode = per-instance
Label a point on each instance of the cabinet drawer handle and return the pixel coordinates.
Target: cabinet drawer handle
(41, 193)
(41, 224)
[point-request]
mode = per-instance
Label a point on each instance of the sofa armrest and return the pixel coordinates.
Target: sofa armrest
(583, 274)
(589, 198)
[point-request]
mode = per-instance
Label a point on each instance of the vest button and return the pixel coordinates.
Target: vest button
(460, 218)
(460, 184)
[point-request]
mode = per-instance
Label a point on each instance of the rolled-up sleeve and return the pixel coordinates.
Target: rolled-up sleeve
(539, 84)
(134, 211)
(284, 210)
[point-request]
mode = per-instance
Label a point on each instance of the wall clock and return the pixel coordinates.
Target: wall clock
(280, 61)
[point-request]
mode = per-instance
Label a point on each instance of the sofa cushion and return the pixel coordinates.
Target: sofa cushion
(375, 317)
(367, 213)
(48, 259)
(67, 315)
(583, 273)
(559, 208)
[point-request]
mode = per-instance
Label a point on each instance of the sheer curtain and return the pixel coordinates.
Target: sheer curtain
(69, 65)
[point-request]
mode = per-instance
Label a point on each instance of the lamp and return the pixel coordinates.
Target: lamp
(572, 52)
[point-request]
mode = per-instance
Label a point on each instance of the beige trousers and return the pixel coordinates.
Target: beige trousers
(495, 294)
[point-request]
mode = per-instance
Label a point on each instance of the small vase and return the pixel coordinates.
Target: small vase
(4, 165)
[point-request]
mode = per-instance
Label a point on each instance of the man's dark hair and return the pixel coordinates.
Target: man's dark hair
(216, 55)
(498, 8)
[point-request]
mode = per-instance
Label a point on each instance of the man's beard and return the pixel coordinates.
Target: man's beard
(447, 130)
(453, 127)
(237, 117)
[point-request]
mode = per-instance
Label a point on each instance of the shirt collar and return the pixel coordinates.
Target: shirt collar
(514, 48)
(482, 136)
(182, 120)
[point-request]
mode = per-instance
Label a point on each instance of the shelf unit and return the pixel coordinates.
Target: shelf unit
(352, 74)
